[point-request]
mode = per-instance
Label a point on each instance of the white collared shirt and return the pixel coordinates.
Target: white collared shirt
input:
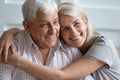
(59, 57)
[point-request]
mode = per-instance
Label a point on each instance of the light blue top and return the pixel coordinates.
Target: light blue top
(104, 50)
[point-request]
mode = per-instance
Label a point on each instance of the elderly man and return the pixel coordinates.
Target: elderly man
(39, 42)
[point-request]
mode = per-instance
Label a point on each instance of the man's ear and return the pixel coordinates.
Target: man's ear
(26, 24)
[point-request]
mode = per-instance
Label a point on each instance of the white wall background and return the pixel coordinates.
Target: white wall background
(104, 15)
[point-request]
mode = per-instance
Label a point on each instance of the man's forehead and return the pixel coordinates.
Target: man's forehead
(43, 16)
(47, 13)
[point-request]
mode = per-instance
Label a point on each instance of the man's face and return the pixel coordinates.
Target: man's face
(44, 30)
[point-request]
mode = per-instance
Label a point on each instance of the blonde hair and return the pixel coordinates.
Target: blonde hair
(75, 10)
(30, 7)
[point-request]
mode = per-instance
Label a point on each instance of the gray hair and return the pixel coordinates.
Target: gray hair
(75, 10)
(30, 7)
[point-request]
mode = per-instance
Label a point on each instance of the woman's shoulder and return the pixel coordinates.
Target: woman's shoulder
(103, 40)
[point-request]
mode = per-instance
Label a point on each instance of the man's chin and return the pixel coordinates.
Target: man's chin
(53, 43)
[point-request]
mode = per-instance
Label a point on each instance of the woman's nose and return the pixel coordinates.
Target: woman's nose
(74, 32)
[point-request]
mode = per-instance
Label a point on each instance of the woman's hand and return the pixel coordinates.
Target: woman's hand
(13, 58)
(6, 42)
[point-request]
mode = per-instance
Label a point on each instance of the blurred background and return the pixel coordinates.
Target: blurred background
(104, 15)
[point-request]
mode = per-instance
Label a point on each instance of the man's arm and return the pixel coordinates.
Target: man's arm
(7, 41)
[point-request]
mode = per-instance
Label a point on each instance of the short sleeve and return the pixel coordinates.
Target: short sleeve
(100, 50)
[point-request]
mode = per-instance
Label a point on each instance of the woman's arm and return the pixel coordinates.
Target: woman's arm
(6, 42)
(84, 66)
(76, 70)
(81, 68)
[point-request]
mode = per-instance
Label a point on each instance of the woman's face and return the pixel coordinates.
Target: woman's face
(73, 30)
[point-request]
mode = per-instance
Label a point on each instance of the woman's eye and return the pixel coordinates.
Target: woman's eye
(76, 24)
(65, 28)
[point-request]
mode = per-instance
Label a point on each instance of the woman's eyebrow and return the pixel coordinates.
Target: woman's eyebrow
(75, 21)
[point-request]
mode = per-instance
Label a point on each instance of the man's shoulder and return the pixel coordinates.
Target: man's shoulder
(20, 34)
(22, 39)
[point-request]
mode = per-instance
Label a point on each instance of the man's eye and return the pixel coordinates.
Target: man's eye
(43, 25)
(56, 23)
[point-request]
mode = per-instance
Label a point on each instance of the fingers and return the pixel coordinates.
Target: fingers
(4, 51)
(13, 48)
(0, 59)
(5, 54)
(6, 42)
(1, 46)
(1, 49)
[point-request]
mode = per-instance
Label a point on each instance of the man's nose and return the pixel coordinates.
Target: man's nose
(52, 29)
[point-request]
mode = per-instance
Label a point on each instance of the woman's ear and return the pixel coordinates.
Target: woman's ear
(85, 19)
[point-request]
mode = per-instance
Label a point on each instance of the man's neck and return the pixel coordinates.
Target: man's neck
(44, 53)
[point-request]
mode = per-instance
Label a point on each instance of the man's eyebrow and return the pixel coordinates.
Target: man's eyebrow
(42, 21)
(56, 18)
